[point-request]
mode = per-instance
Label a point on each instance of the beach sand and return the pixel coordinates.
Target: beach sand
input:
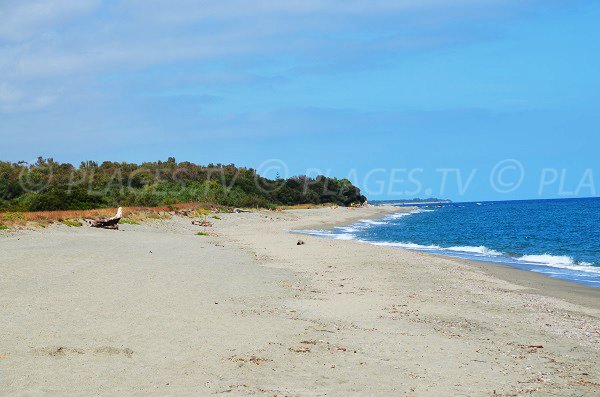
(156, 309)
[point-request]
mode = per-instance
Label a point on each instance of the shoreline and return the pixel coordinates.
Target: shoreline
(558, 287)
(156, 309)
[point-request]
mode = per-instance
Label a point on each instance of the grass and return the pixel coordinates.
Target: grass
(305, 206)
(22, 218)
(13, 217)
(71, 223)
(135, 215)
(4, 227)
(129, 221)
(201, 234)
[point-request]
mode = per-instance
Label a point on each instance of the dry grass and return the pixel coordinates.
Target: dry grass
(72, 223)
(304, 206)
(133, 213)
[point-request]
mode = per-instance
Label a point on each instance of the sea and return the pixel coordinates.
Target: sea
(558, 238)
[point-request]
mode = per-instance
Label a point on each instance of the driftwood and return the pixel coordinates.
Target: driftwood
(188, 212)
(110, 223)
(202, 222)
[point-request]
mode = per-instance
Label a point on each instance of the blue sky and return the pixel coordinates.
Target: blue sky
(369, 90)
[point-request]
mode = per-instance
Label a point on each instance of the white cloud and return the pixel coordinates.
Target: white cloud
(17, 100)
(53, 40)
(189, 10)
(22, 19)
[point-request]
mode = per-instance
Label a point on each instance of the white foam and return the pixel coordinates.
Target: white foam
(481, 250)
(327, 233)
(411, 246)
(344, 236)
(323, 233)
(548, 259)
(563, 262)
(399, 215)
(558, 261)
(349, 229)
(373, 222)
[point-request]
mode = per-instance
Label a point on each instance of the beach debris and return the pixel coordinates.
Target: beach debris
(60, 351)
(110, 223)
(300, 350)
(252, 359)
(300, 242)
(202, 222)
(114, 351)
(585, 382)
(238, 210)
(257, 360)
(185, 212)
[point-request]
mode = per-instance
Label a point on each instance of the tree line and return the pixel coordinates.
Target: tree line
(49, 185)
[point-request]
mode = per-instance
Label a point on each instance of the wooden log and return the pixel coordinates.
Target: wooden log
(110, 223)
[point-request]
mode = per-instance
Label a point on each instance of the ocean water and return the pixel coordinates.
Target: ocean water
(558, 238)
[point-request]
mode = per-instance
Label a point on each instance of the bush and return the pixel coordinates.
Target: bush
(128, 221)
(48, 185)
(72, 223)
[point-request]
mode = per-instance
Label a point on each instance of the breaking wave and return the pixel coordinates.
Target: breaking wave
(382, 232)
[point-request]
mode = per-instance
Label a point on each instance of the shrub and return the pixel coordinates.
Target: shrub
(13, 217)
(129, 221)
(71, 223)
(153, 184)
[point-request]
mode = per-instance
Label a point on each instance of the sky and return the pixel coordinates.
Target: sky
(461, 99)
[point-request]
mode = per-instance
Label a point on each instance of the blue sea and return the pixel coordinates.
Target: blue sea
(558, 238)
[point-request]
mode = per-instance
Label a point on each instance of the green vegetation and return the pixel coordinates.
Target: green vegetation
(12, 217)
(216, 217)
(71, 223)
(3, 227)
(49, 185)
(129, 221)
(201, 234)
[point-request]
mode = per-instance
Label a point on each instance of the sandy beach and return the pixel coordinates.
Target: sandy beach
(156, 309)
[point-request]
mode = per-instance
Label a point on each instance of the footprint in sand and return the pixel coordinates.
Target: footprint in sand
(62, 351)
